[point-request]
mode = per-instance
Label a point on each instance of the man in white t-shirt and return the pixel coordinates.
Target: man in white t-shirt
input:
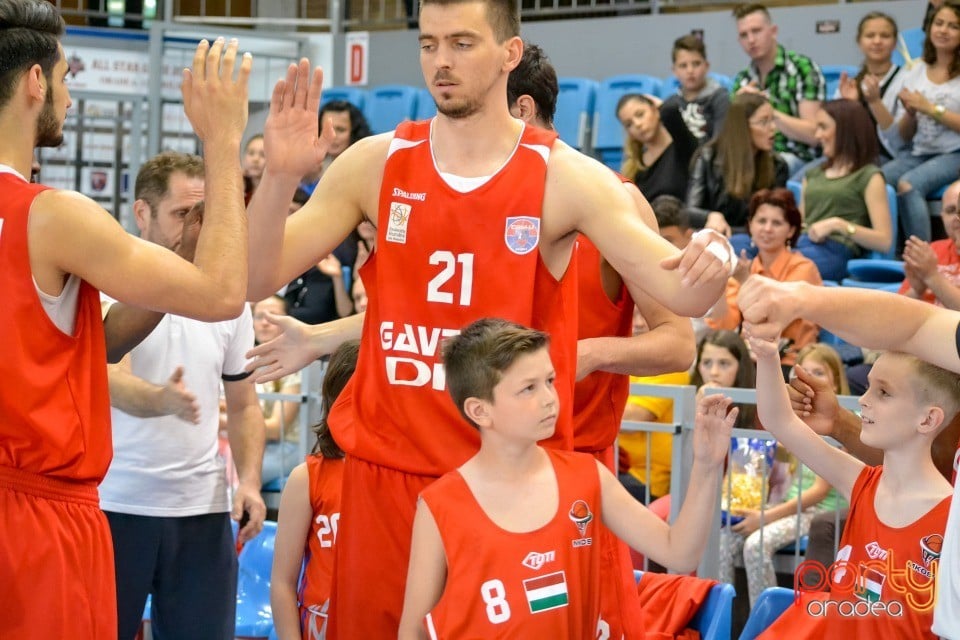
(166, 495)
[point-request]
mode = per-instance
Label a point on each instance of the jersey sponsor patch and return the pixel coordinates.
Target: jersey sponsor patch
(535, 560)
(546, 592)
(522, 234)
(397, 224)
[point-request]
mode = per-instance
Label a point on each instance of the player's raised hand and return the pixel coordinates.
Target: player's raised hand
(215, 101)
(704, 260)
(713, 425)
(292, 141)
(768, 305)
(814, 401)
(288, 353)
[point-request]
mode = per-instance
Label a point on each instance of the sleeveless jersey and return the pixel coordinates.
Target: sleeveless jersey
(443, 260)
(326, 486)
(500, 584)
(601, 397)
(54, 402)
(882, 583)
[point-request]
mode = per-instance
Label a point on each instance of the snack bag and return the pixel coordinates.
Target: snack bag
(745, 486)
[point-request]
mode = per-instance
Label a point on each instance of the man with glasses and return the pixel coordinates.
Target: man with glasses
(933, 268)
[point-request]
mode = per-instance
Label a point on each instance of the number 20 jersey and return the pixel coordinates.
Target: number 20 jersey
(444, 259)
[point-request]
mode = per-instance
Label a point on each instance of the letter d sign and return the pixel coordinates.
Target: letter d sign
(358, 48)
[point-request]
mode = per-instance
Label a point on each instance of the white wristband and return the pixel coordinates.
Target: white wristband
(724, 253)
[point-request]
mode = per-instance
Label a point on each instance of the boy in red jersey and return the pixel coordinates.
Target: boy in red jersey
(56, 249)
(884, 580)
(476, 215)
(504, 546)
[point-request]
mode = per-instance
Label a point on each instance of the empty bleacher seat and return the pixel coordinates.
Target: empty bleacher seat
(574, 110)
(389, 105)
(913, 40)
(771, 604)
(426, 107)
(831, 73)
(608, 133)
(354, 95)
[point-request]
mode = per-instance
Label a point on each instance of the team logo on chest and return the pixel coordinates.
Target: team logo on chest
(581, 516)
(534, 560)
(397, 222)
(522, 234)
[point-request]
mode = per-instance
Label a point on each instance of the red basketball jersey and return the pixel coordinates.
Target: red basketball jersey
(326, 487)
(541, 584)
(54, 402)
(443, 260)
(601, 397)
(883, 582)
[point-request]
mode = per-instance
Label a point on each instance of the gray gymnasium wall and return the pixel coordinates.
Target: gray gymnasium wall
(603, 47)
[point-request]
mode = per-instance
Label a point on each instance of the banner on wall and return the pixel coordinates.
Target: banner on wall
(116, 71)
(358, 56)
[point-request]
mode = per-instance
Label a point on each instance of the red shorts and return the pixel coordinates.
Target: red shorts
(373, 550)
(56, 559)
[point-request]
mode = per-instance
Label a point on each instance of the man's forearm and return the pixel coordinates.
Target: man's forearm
(245, 431)
(266, 214)
(134, 396)
(125, 327)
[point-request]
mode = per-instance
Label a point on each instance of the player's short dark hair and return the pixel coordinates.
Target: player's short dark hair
(153, 179)
(30, 32)
(535, 77)
(503, 15)
(670, 212)
(476, 359)
(690, 43)
(741, 11)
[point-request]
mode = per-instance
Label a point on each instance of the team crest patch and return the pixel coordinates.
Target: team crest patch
(397, 223)
(581, 516)
(522, 234)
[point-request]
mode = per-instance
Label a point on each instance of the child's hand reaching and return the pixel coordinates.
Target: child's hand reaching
(713, 426)
(763, 348)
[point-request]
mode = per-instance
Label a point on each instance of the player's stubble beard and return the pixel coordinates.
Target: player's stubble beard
(49, 128)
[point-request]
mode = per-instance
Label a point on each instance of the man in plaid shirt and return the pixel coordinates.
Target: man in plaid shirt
(792, 82)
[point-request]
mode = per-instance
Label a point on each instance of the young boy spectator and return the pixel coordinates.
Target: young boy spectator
(701, 100)
(475, 528)
(898, 511)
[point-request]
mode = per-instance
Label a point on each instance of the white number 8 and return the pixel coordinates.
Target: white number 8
(493, 593)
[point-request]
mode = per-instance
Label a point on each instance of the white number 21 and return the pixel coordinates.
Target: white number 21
(449, 262)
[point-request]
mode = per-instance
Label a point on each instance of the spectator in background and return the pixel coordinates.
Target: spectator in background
(775, 223)
(877, 85)
(791, 81)
(734, 165)
(933, 269)
(658, 146)
(701, 100)
(359, 295)
(253, 161)
(281, 452)
(844, 200)
(348, 124)
(931, 121)
(723, 360)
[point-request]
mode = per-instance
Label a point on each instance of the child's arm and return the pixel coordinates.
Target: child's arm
(836, 467)
(680, 546)
(426, 575)
(808, 498)
(292, 531)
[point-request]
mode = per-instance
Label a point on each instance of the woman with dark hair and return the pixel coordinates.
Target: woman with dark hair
(723, 360)
(738, 162)
(844, 199)
(878, 83)
(931, 121)
(774, 222)
(658, 146)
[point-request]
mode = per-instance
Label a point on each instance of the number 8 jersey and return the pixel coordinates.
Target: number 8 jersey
(502, 584)
(445, 258)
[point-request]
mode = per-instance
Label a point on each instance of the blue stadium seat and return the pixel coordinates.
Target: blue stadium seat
(607, 131)
(574, 110)
(831, 73)
(354, 95)
(792, 547)
(254, 616)
(714, 618)
(389, 105)
(913, 39)
(770, 605)
(670, 84)
(426, 107)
